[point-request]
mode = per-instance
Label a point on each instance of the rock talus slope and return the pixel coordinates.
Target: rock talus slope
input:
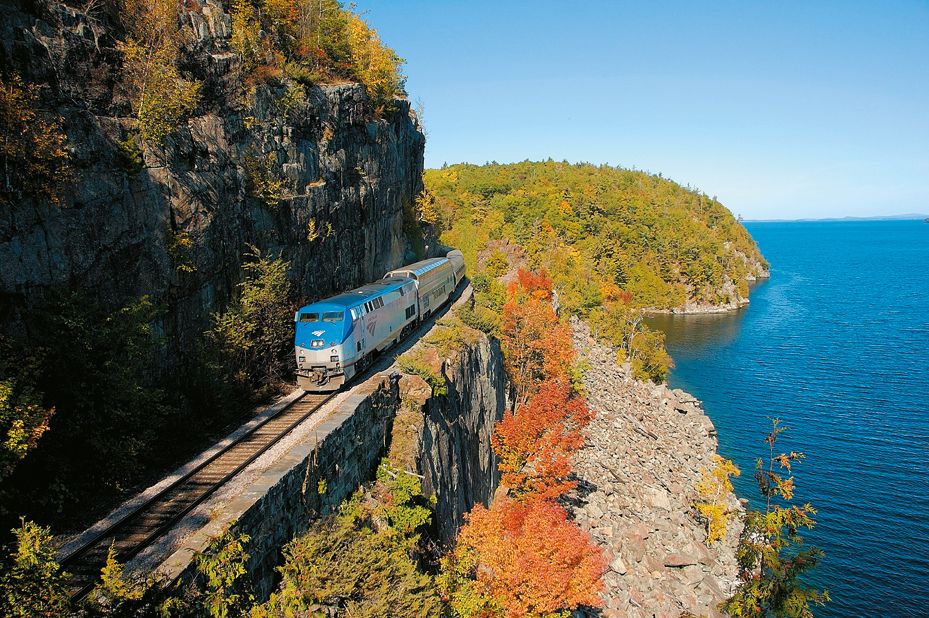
(644, 454)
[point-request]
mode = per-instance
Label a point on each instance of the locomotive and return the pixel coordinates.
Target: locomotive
(338, 337)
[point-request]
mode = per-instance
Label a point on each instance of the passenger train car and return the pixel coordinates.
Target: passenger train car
(338, 337)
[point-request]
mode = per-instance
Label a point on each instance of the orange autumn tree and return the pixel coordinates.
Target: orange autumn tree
(520, 559)
(536, 344)
(535, 444)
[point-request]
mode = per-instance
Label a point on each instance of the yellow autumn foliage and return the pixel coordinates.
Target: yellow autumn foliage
(375, 64)
(712, 488)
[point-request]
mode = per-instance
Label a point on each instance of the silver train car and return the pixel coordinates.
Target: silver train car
(338, 337)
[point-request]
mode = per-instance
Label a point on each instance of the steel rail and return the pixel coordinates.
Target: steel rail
(198, 494)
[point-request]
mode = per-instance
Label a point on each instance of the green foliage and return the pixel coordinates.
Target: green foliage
(32, 584)
(479, 317)
(265, 179)
(95, 369)
(178, 245)
(33, 159)
(161, 97)
(131, 156)
(113, 594)
(576, 374)
(497, 264)
(771, 554)
(255, 333)
(599, 231)
(406, 509)
(358, 562)
(414, 363)
(222, 568)
(449, 336)
(622, 326)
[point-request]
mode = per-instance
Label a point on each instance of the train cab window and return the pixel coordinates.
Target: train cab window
(309, 317)
(333, 316)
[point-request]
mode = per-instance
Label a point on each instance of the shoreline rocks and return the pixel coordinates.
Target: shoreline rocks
(637, 473)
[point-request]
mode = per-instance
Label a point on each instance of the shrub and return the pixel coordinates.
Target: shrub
(23, 418)
(265, 179)
(255, 333)
(357, 562)
(222, 570)
(479, 318)
(713, 488)
(771, 555)
(131, 156)
(521, 559)
(414, 363)
(33, 157)
(450, 336)
(31, 581)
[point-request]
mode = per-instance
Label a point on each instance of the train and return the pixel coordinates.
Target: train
(338, 337)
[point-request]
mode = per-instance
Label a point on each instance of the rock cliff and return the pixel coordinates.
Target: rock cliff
(177, 229)
(448, 437)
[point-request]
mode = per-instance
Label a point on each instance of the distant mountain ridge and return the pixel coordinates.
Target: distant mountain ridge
(912, 216)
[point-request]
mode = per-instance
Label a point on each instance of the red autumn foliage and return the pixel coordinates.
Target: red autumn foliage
(530, 559)
(535, 444)
(536, 344)
(536, 284)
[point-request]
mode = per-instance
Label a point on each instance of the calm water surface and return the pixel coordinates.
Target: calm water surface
(837, 345)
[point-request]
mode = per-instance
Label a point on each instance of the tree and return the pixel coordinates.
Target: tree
(256, 332)
(771, 553)
(31, 581)
(713, 488)
(362, 561)
(161, 97)
(535, 343)
(376, 65)
(535, 443)
(33, 157)
(520, 559)
(23, 420)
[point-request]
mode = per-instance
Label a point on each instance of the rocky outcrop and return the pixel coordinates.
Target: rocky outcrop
(177, 230)
(449, 436)
(644, 454)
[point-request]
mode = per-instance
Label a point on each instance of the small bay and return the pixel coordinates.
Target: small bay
(836, 344)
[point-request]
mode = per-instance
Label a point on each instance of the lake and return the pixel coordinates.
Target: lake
(836, 344)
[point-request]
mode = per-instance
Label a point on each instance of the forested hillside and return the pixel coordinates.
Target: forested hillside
(615, 241)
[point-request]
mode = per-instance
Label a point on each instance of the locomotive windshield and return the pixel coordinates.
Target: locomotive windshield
(333, 316)
(309, 317)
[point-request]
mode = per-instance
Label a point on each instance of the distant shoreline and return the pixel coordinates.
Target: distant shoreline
(906, 217)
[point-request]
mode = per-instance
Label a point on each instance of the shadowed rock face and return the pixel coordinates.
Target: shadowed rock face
(345, 169)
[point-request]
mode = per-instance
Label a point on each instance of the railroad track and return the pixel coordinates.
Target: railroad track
(139, 528)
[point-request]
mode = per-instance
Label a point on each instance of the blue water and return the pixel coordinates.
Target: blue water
(837, 345)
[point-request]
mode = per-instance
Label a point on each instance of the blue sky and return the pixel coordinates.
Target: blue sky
(781, 109)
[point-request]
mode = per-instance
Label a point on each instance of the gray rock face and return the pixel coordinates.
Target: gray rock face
(456, 457)
(637, 475)
(344, 169)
